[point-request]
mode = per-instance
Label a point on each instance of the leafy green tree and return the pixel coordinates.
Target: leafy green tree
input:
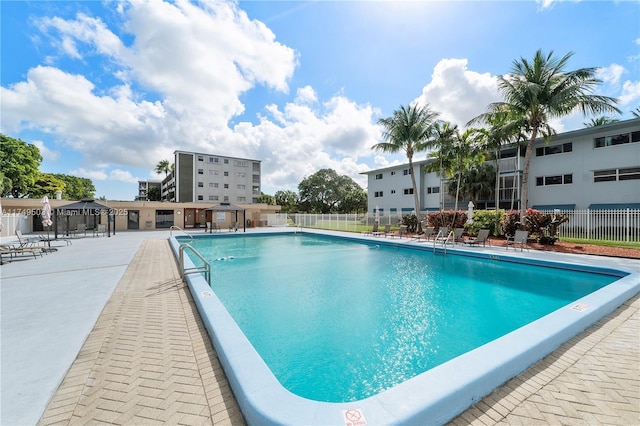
(408, 131)
(540, 90)
(355, 201)
(600, 121)
(46, 184)
(154, 194)
(324, 191)
(267, 199)
(163, 166)
(76, 188)
(287, 200)
(19, 162)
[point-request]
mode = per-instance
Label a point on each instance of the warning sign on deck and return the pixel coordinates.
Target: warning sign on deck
(353, 417)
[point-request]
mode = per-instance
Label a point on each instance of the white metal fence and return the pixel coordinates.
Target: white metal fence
(611, 225)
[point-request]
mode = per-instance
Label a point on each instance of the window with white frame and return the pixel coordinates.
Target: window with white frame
(612, 175)
(554, 180)
(378, 194)
(408, 191)
(378, 176)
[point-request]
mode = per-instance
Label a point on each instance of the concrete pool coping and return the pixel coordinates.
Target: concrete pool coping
(433, 397)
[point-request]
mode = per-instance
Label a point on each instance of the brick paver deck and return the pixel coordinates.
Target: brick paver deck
(149, 360)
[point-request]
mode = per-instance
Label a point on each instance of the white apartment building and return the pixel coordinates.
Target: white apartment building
(592, 168)
(210, 178)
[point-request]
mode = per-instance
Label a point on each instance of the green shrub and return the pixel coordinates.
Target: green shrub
(446, 219)
(486, 219)
(411, 222)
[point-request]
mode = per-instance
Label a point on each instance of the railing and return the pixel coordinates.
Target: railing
(621, 225)
(172, 227)
(442, 240)
(611, 225)
(205, 267)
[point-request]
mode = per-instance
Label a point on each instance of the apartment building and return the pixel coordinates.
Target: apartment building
(210, 178)
(144, 186)
(592, 168)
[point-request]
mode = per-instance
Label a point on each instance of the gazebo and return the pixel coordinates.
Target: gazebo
(85, 207)
(226, 207)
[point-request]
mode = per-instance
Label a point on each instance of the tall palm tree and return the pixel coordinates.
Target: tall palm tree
(476, 181)
(408, 130)
(636, 113)
(441, 143)
(541, 90)
(163, 166)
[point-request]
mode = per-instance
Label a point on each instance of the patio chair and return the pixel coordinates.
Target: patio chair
(387, 229)
(401, 233)
(12, 251)
(101, 228)
(233, 227)
(429, 232)
(24, 242)
(482, 237)
(373, 231)
(213, 227)
(520, 237)
(81, 227)
(457, 235)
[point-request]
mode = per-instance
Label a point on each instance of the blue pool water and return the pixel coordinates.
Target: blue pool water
(337, 320)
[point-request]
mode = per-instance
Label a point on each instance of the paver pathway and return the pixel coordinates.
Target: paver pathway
(149, 360)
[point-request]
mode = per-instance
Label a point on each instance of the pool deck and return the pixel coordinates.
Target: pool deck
(104, 330)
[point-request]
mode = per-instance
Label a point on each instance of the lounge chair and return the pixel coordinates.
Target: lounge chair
(457, 235)
(373, 231)
(13, 251)
(387, 229)
(482, 237)
(401, 233)
(520, 237)
(24, 242)
(429, 232)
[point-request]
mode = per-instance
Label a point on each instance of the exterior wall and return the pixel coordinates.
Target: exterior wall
(29, 210)
(580, 163)
(209, 178)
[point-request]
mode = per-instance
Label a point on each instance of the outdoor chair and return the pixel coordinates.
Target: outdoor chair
(233, 227)
(81, 227)
(373, 231)
(213, 227)
(457, 235)
(101, 228)
(12, 251)
(482, 237)
(429, 232)
(387, 229)
(520, 237)
(24, 242)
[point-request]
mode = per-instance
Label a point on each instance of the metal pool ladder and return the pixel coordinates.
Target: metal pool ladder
(177, 227)
(206, 267)
(444, 241)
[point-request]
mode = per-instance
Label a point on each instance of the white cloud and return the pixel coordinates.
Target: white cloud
(458, 93)
(611, 74)
(630, 92)
(118, 175)
(47, 154)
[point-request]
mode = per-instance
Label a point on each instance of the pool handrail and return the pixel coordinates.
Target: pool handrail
(441, 239)
(206, 267)
(177, 227)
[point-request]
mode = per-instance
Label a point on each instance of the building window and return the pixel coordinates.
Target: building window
(241, 199)
(213, 160)
(200, 158)
(213, 173)
(226, 186)
(406, 172)
(200, 171)
(256, 167)
(226, 173)
(241, 174)
(620, 139)
(226, 161)
(213, 197)
(200, 185)
(200, 198)
(378, 194)
(554, 180)
(226, 199)
(378, 176)
(393, 172)
(609, 175)
(242, 187)
(210, 197)
(393, 191)
(241, 163)
(211, 184)
(433, 190)
(408, 191)
(554, 149)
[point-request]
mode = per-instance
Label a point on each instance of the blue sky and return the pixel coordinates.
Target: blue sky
(108, 89)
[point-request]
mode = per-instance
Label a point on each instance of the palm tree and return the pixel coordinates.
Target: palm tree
(600, 121)
(442, 141)
(407, 130)
(476, 181)
(636, 113)
(163, 166)
(541, 90)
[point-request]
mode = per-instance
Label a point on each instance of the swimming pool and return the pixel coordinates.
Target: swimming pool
(427, 393)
